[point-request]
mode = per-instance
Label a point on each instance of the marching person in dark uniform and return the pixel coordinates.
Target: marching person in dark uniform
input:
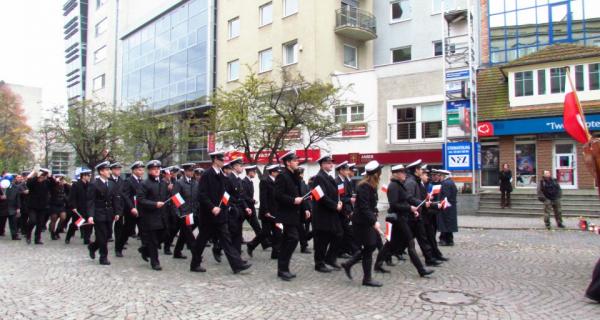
(214, 217)
(327, 224)
(288, 203)
(169, 176)
(21, 182)
(402, 208)
(431, 211)
(248, 187)
(39, 184)
(129, 190)
(187, 187)
(448, 219)
(198, 174)
(115, 176)
(239, 208)
(417, 192)
(365, 225)
(78, 206)
(346, 191)
(266, 211)
(305, 219)
(10, 208)
(59, 194)
(103, 206)
(151, 198)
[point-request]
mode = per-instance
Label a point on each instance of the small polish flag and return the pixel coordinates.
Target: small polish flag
(79, 222)
(178, 200)
(341, 189)
(317, 193)
(225, 198)
(135, 202)
(279, 226)
(388, 231)
(384, 189)
(189, 219)
(445, 203)
(433, 190)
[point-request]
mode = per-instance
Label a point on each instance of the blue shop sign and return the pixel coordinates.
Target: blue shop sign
(455, 105)
(455, 75)
(458, 156)
(532, 126)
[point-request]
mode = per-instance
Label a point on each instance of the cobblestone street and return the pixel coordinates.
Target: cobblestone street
(492, 274)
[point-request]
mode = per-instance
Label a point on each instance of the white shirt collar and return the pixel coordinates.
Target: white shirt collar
(272, 178)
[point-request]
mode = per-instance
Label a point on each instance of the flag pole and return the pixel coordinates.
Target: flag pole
(587, 132)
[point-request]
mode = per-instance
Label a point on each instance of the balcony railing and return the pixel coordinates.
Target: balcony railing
(415, 131)
(356, 24)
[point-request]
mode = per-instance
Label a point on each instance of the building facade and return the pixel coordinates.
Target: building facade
(75, 31)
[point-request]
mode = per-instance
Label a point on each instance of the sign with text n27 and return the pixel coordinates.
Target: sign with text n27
(458, 156)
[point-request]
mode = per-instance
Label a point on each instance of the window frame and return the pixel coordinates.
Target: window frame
(261, 22)
(229, 65)
(441, 43)
(230, 34)
(96, 33)
(285, 52)
(103, 77)
(260, 60)
(523, 83)
(96, 61)
(349, 114)
(418, 123)
(100, 4)
(401, 48)
(355, 56)
(285, 13)
(401, 19)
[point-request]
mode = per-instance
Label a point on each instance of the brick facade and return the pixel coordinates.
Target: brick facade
(484, 33)
(584, 177)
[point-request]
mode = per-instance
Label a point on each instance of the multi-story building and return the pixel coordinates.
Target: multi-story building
(75, 31)
(531, 51)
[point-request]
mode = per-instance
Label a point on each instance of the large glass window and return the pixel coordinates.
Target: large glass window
(579, 76)
(265, 59)
(541, 81)
(525, 158)
(431, 121)
(406, 123)
(290, 7)
(234, 27)
(400, 10)
(524, 83)
(98, 82)
(266, 14)
(350, 56)
(401, 54)
(233, 70)
(290, 53)
(490, 164)
(594, 76)
(101, 26)
(60, 163)
(557, 80)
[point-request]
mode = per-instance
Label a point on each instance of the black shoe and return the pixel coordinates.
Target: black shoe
(292, 274)
(548, 227)
(67, 241)
(322, 268)
(118, 254)
(156, 267)
(348, 270)
(217, 256)
(399, 257)
(441, 258)
(143, 253)
(241, 268)
(250, 249)
(16, 237)
(372, 283)
(432, 263)
(274, 256)
(560, 225)
(335, 266)
(344, 256)
(445, 243)
(39, 242)
(53, 237)
(104, 262)
(424, 273)
(168, 251)
(380, 269)
(197, 269)
(389, 262)
(305, 250)
(86, 242)
(285, 276)
(179, 255)
(92, 252)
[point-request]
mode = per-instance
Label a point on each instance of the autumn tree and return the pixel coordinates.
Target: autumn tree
(15, 147)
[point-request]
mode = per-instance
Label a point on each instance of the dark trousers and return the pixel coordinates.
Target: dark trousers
(289, 242)
(150, 240)
(126, 231)
(85, 230)
(102, 230)
(221, 231)
(117, 227)
(348, 244)
(417, 227)
(430, 223)
(171, 231)
(12, 225)
(272, 235)
(186, 237)
(304, 233)
(258, 233)
(504, 198)
(235, 224)
(326, 247)
(23, 221)
(405, 240)
(447, 237)
(37, 219)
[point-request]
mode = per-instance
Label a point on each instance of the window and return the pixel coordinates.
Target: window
(100, 3)
(100, 54)
(98, 83)
(60, 162)
(406, 127)
(490, 165)
(525, 158)
(437, 48)
(557, 80)
(350, 56)
(401, 54)
(101, 27)
(431, 121)
(594, 76)
(541, 74)
(356, 112)
(290, 53)
(524, 83)
(400, 10)
(266, 14)
(234, 28)
(419, 122)
(233, 70)
(290, 7)
(579, 85)
(265, 59)
(341, 115)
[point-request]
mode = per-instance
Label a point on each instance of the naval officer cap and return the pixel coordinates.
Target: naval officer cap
(44, 171)
(343, 165)
(217, 155)
(425, 168)
(413, 165)
(137, 164)
(398, 168)
(116, 165)
(198, 171)
(250, 168)
(352, 166)
(236, 161)
(102, 166)
(326, 158)
(85, 171)
(441, 171)
(153, 164)
(188, 166)
(273, 167)
(373, 167)
(174, 169)
(288, 156)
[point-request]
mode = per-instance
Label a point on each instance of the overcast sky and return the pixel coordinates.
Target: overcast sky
(32, 46)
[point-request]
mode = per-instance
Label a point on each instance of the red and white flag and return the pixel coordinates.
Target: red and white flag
(177, 200)
(189, 219)
(79, 222)
(445, 204)
(341, 189)
(279, 226)
(135, 202)
(434, 190)
(388, 231)
(317, 193)
(573, 121)
(384, 189)
(225, 198)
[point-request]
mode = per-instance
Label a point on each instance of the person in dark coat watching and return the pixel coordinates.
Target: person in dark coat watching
(506, 188)
(10, 207)
(549, 193)
(448, 218)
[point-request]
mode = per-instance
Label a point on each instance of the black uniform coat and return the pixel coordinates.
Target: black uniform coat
(237, 201)
(39, 192)
(365, 215)
(266, 195)
(129, 191)
(189, 192)
(210, 191)
(248, 187)
(9, 206)
(325, 214)
(78, 197)
(399, 199)
(505, 180)
(346, 197)
(103, 200)
(119, 184)
(447, 219)
(152, 190)
(287, 188)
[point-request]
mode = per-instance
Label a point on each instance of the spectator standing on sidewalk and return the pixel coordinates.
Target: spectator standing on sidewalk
(549, 193)
(505, 185)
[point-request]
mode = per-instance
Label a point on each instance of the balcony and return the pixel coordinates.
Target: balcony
(355, 24)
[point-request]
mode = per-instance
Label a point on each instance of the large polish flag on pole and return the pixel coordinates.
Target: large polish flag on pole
(573, 118)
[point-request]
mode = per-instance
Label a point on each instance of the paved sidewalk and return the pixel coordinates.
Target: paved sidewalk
(515, 223)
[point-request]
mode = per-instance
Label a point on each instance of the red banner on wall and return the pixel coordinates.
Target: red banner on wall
(404, 157)
(310, 156)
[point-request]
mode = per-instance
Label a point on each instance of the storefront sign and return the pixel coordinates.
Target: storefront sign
(404, 157)
(453, 119)
(455, 105)
(454, 75)
(310, 156)
(354, 130)
(458, 156)
(454, 87)
(531, 126)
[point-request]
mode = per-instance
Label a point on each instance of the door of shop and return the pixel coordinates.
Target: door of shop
(565, 165)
